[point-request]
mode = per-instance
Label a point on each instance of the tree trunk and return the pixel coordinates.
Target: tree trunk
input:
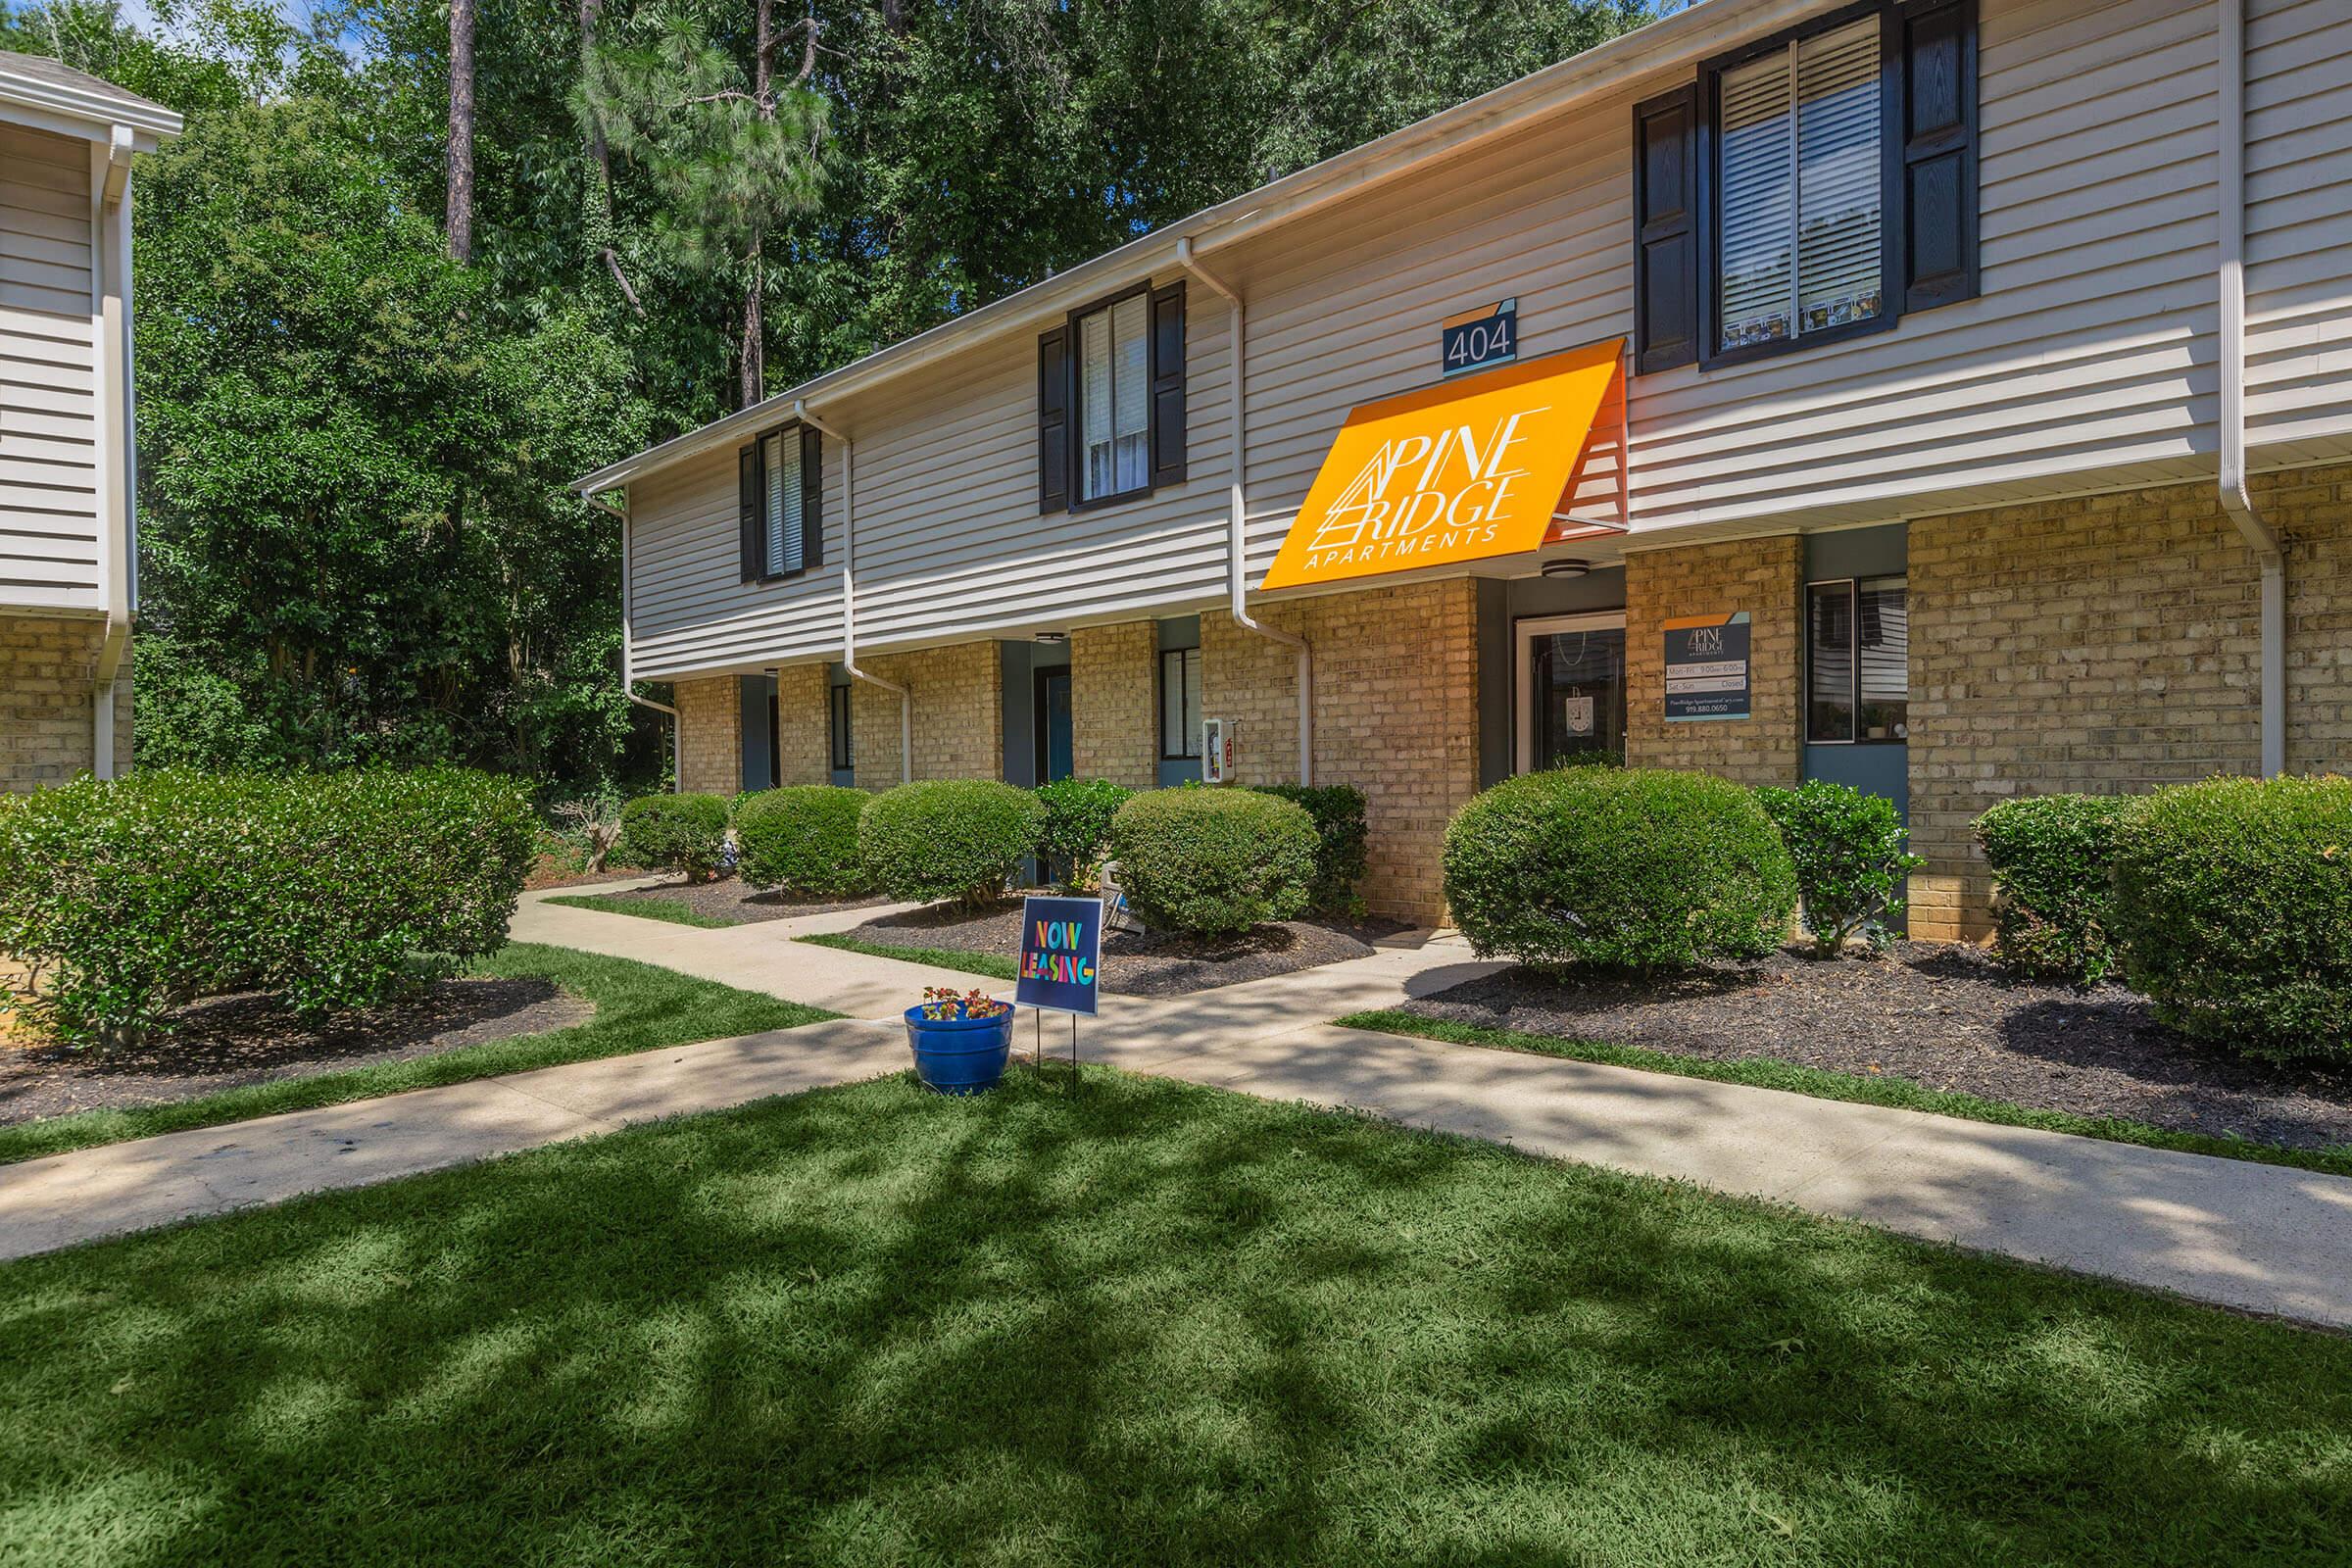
(462, 13)
(753, 352)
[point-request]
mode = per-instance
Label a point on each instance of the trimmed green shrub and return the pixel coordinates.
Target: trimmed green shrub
(1622, 868)
(1337, 813)
(685, 833)
(1077, 831)
(2051, 876)
(947, 838)
(1214, 861)
(2233, 908)
(1847, 849)
(127, 900)
(802, 838)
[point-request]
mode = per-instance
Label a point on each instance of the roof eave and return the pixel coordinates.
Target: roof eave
(96, 107)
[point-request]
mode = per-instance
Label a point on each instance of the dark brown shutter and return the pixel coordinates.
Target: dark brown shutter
(1666, 231)
(748, 466)
(1168, 432)
(1053, 421)
(812, 498)
(1937, 43)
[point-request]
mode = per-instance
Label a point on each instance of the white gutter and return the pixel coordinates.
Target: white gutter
(2270, 551)
(112, 363)
(628, 674)
(849, 589)
(1239, 504)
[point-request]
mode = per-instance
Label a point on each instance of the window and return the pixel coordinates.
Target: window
(1114, 399)
(839, 700)
(782, 504)
(1180, 703)
(1798, 232)
(1110, 420)
(1857, 661)
(1811, 187)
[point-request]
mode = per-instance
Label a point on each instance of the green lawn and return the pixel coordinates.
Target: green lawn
(994, 965)
(675, 910)
(1767, 1072)
(638, 1008)
(1153, 1324)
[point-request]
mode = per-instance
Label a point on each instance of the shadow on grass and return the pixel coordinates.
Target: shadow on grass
(1151, 1323)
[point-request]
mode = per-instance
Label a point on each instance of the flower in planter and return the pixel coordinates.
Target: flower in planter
(941, 1003)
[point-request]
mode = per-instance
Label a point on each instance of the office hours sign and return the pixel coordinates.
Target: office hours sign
(1706, 667)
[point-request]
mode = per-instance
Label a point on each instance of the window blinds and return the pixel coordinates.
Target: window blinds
(1800, 189)
(1115, 395)
(781, 508)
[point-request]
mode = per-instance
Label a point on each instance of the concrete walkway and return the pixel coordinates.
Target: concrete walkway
(2257, 1237)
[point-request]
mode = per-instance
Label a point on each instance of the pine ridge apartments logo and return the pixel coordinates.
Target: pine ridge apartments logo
(1455, 482)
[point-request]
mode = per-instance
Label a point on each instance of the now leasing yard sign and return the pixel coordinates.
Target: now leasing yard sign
(1061, 954)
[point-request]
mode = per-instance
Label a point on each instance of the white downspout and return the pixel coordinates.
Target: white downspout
(118, 474)
(2270, 551)
(1237, 447)
(849, 589)
(628, 672)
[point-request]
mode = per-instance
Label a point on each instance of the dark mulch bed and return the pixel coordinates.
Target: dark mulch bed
(1943, 1015)
(732, 901)
(1151, 964)
(229, 1041)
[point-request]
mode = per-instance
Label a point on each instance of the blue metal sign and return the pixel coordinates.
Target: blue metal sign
(1061, 954)
(1476, 339)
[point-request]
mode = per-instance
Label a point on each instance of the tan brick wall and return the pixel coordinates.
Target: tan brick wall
(1115, 686)
(710, 736)
(805, 725)
(48, 665)
(1762, 576)
(959, 715)
(2109, 643)
(1396, 715)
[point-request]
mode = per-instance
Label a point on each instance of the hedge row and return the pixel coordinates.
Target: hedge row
(127, 900)
(965, 838)
(2228, 904)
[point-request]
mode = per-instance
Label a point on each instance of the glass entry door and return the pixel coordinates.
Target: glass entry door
(1571, 688)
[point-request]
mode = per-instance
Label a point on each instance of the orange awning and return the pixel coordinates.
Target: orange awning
(1465, 470)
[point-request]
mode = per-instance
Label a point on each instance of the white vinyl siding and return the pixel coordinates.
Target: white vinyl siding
(1799, 176)
(1115, 398)
(782, 511)
(49, 530)
(2087, 363)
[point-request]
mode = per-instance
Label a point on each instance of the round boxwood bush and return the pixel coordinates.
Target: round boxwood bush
(1077, 827)
(2233, 907)
(947, 838)
(127, 900)
(803, 838)
(1214, 861)
(1633, 868)
(685, 833)
(2052, 881)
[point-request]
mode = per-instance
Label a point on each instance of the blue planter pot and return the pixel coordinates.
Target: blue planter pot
(959, 1055)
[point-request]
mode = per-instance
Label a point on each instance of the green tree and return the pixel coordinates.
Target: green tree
(319, 387)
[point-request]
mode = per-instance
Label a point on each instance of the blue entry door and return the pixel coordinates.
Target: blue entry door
(1055, 756)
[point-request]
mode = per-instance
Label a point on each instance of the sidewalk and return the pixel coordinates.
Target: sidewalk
(2258, 1236)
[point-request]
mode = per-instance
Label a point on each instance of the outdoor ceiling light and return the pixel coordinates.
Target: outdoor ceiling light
(1567, 569)
(1052, 637)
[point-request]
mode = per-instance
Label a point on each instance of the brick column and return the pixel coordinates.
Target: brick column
(710, 736)
(959, 715)
(48, 667)
(1114, 697)
(804, 724)
(1765, 578)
